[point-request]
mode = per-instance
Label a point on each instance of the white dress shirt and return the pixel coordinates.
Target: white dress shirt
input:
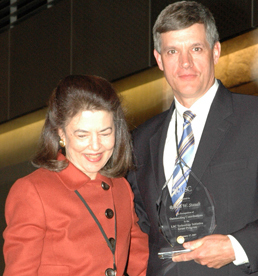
(201, 109)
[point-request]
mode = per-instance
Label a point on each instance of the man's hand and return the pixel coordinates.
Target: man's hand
(214, 251)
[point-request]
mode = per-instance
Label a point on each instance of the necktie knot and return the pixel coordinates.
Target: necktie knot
(188, 116)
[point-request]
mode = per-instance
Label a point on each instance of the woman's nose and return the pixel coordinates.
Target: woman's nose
(95, 143)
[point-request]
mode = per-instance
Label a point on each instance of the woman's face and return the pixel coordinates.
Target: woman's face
(89, 140)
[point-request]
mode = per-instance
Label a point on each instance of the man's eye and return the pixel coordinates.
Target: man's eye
(171, 52)
(197, 49)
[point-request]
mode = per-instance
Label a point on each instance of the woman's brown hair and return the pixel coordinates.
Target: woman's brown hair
(74, 94)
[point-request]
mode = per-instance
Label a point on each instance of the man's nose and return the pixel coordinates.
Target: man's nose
(186, 60)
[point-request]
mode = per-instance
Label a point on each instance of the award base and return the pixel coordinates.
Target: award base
(174, 252)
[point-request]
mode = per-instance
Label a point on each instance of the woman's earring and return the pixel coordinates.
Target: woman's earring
(62, 143)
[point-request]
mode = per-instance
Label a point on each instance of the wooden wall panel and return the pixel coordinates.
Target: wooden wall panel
(40, 56)
(110, 38)
(4, 76)
(255, 13)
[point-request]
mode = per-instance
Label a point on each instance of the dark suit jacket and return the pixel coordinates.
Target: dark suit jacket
(226, 162)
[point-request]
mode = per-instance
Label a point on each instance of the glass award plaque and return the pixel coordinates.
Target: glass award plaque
(195, 219)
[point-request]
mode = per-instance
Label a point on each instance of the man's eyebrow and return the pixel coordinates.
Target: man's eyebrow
(198, 44)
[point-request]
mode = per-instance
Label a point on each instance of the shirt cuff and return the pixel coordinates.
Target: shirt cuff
(240, 255)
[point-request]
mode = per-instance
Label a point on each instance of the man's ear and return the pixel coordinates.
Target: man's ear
(157, 56)
(216, 52)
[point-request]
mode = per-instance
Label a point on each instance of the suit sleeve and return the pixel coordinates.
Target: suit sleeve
(139, 249)
(247, 237)
(25, 230)
(139, 207)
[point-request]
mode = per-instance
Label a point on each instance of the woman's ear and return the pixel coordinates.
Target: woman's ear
(61, 133)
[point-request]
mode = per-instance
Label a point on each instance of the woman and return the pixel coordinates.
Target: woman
(75, 214)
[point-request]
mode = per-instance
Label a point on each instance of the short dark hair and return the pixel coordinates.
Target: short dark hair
(181, 15)
(76, 93)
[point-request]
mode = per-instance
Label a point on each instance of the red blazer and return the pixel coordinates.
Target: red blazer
(50, 232)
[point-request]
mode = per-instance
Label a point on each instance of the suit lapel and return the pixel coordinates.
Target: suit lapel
(157, 143)
(214, 132)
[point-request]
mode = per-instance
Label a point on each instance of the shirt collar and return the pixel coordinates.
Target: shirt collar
(202, 105)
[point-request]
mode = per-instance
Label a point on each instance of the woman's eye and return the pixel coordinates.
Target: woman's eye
(82, 135)
(105, 134)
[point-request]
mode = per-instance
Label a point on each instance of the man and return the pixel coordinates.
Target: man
(225, 150)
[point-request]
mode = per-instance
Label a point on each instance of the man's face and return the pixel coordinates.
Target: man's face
(188, 62)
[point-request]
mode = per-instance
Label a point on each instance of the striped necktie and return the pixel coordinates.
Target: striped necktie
(185, 152)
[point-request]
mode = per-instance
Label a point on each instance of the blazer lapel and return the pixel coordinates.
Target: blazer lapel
(214, 132)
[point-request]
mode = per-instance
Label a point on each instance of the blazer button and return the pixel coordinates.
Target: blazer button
(109, 213)
(112, 241)
(110, 272)
(105, 186)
